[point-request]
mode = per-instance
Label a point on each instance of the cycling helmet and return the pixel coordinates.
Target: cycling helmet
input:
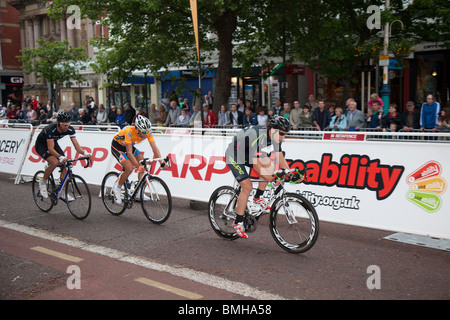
(143, 124)
(63, 116)
(280, 123)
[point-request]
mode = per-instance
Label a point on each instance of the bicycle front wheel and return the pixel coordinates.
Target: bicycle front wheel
(78, 197)
(44, 204)
(156, 200)
(222, 212)
(294, 223)
(109, 182)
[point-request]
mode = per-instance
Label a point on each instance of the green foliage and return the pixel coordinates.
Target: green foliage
(54, 61)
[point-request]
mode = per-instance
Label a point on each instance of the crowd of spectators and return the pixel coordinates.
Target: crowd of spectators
(312, 115)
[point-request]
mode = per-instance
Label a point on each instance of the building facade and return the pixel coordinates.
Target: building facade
(11, 77)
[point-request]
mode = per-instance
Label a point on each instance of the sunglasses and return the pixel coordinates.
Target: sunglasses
(65, 124)
(281, 133)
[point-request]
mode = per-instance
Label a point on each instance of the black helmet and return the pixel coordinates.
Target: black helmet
(280, 123)
(62, 116)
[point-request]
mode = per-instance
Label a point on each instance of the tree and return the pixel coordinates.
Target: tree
(156, 35)
(56, 62)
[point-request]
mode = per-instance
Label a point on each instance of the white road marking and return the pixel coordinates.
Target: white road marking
(187, 273)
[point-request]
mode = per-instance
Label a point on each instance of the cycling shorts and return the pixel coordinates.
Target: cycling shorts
(42, 150)
(120, 152)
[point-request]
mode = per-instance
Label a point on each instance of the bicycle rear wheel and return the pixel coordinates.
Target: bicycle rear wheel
(221, 212)
(44, 204)
(156, 200)
(78, 197)
(109, 182)
(294, 225)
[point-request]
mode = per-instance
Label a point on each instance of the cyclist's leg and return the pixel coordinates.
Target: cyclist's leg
(264, 167)
(139, 157)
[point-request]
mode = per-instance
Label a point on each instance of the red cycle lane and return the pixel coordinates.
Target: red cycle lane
(79, 274)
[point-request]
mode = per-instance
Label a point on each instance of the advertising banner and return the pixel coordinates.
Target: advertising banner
(13, 146)
(390, 185)
(97, 143)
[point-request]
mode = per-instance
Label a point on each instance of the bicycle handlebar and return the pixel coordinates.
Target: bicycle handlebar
(282, 174)
(166, 161)
(69, 161)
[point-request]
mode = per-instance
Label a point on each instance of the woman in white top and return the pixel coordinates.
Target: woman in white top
(262, 117)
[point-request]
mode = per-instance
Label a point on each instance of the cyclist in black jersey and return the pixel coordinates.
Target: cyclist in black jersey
(48, 148)
(253, 147)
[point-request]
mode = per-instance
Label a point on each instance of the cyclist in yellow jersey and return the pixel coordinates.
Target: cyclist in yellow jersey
(125, 152)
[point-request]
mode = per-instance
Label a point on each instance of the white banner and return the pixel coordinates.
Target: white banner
(397, 186)
(98, 143)
(13, 146)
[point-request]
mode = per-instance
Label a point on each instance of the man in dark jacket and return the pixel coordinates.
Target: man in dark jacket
(410, 118)
(130, 113)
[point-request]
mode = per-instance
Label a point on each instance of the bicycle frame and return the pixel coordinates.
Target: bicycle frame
(142, 180)
(68, 175)
(273, 194)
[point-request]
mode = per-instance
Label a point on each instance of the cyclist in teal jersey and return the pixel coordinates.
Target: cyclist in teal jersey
(253, 147)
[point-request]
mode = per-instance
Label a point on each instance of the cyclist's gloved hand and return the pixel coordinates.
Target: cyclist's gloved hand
(86, 154)
(62, 159)
(298, 176)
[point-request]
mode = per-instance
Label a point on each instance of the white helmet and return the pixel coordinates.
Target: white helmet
(143, 124)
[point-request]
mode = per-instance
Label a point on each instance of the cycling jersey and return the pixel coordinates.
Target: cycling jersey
(249, 143)
(126, 136)
(130, 135)
(51, 133)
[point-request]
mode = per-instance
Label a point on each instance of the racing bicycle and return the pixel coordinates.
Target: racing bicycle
(293, 220)
(151, 191)
(75, 193)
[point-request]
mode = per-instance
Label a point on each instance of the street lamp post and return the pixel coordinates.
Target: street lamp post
(385, 90)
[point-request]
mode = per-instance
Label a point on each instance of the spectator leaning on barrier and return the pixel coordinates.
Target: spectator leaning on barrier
(120, 118)
(235, 117)
(305, 117)
(130, 112)
(355, 118)
(429, 113)
(410, 118)
(294, 119)
(84, 117)
(209, 117)
(73, 113)
(321, 116)
(112, 114)
(101, 114)
(31, 114)
(374, 116)
(286, 112)
(196, 118)
(162, 116)
(183, 119)
(338, 121)
(22, 113)
(222, 115)
(173, 114)
(250, 119)
(278, 108)
(152, 113)
(392, 117)
(262, 117)
(444, 120)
